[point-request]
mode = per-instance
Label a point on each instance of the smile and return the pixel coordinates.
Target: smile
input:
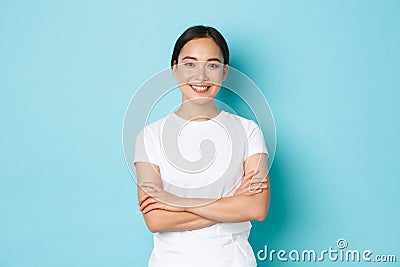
(200, 88)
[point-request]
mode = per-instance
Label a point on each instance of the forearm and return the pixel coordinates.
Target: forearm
(238, 208)
(168, 221)
(235, 208)
(164, 211)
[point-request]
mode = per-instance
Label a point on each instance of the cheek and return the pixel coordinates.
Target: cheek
(183, 77)
(216, 77)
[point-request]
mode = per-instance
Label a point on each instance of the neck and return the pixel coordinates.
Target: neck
(197, 112)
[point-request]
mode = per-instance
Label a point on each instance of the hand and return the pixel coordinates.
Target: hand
(252, 185)
(157, 198)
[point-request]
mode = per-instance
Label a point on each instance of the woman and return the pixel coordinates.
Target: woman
(200, 211)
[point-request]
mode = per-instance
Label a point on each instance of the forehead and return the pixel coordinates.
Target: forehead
(202, 49)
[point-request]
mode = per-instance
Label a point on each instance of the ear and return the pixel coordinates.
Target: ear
(226, 69)
(175, 69)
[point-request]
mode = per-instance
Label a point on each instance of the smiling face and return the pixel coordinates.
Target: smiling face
(200, 70)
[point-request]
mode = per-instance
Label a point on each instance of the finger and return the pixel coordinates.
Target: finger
(258, 186)
(144, 203)
(143, 198)
(153, 206)
(246, 182)
(251, 174)
(247, 178)
(253, 192)
(147, 202)
(260, 179)
(148, 192)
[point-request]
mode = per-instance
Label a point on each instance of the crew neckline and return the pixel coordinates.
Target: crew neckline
(199, 122)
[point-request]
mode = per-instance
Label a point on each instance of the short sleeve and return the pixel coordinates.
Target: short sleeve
(146, 148)
(255, 141)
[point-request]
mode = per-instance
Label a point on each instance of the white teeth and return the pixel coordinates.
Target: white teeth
(199, 88)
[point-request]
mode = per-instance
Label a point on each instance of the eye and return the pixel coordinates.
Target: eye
(189, 64)
(213, 66)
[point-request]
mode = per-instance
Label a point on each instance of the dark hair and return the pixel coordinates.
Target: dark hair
(197, 32)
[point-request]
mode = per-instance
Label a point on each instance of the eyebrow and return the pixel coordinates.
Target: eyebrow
(210, 59)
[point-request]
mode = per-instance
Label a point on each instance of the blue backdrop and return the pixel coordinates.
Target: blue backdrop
(329, 69)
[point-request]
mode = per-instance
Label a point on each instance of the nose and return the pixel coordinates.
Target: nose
(201, 73)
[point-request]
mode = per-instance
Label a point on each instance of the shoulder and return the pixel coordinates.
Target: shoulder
(153, 129)
(248, 125)
(156, 125)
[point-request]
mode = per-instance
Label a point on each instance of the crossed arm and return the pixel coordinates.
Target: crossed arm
(189, 214)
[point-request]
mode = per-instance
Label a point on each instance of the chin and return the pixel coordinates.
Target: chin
(201, 100)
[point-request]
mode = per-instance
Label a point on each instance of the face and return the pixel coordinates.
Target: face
(200, 70)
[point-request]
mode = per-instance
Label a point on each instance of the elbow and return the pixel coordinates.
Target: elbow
(260, 214)
(152, 225)
(260, 217)
(153, 228)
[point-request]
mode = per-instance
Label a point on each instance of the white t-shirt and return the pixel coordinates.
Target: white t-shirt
(201, 159)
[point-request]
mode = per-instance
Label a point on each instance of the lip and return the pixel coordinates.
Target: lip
(200, 88)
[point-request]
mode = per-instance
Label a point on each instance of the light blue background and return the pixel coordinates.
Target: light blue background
(329, 69)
